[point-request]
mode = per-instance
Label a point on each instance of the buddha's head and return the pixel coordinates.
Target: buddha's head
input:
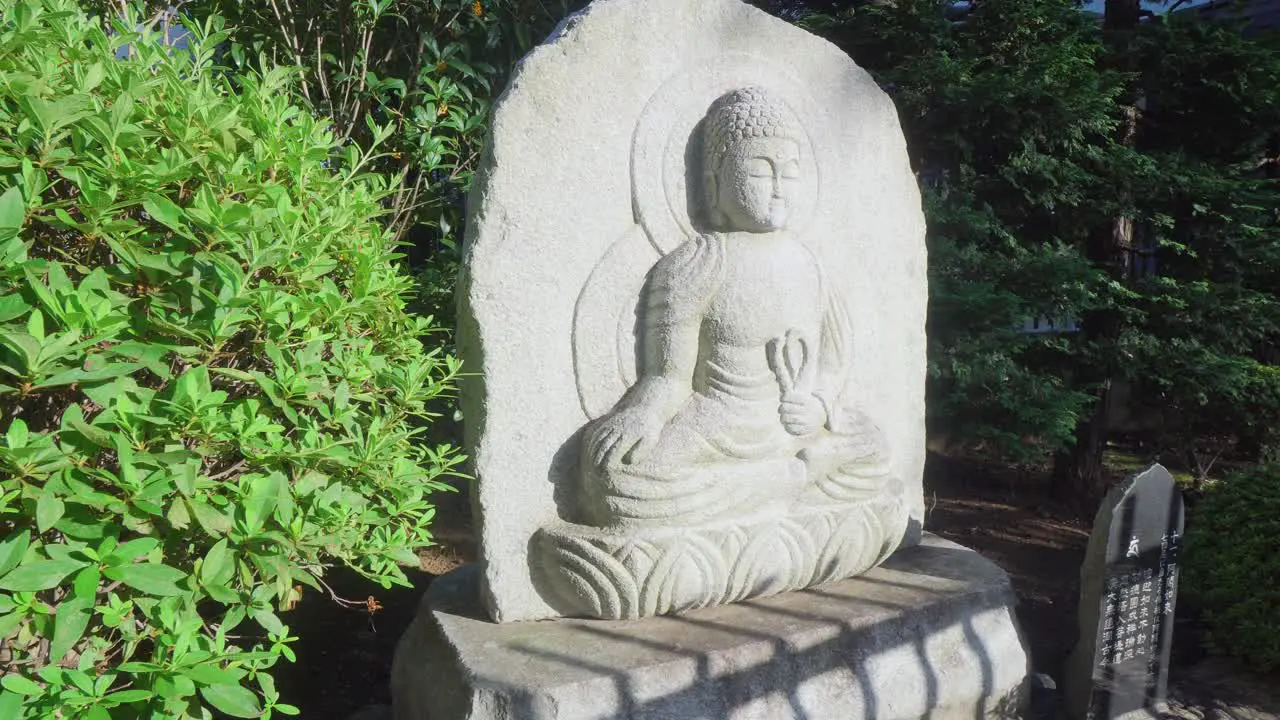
(751, 161)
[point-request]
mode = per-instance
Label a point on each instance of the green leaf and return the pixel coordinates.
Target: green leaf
(264, 493)
(74, 613)
(222, 594)
(45, 294)
(165, 211)
(150, 578)
(130, 551)
(140, 667)
(73, 418)
(80, 375)
(129, 696)
(10, 622)
(12, 550)
(93, 77)
(184, 477)
(51, 116)
(49, 510)
(10, 706)
(13, 210)
(12, 252)
(11, 307)
(219, 564)
(83, 524)
(153, 357)
(212, 520)
(269, 621)
(233, 700)
(17, 435)
(21, 685)
(210, 674)
(178, 515)
(25, 347)
(39, 575)
(35, 326)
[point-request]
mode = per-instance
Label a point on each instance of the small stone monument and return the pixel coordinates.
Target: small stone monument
(693, 305)
(1128, 585)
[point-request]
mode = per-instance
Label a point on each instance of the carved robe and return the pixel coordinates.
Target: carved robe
(738, 320)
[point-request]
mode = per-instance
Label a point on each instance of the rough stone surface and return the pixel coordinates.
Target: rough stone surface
(693, 298)
(930, 633)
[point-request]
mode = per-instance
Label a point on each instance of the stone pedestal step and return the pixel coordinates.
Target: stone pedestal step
(929, 634)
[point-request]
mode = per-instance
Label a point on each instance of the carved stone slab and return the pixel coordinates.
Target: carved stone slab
(697, 186)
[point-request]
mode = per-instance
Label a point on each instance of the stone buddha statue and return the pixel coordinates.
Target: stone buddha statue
(737, 410)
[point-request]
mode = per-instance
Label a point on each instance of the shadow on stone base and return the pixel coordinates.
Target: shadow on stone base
(929, 634)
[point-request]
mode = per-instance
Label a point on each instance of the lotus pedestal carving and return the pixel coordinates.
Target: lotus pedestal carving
(622, 576)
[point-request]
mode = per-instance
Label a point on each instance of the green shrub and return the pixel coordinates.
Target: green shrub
(1232, 566)
(210, 390)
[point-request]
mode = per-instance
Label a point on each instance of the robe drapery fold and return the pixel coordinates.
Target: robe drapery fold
(724, 446)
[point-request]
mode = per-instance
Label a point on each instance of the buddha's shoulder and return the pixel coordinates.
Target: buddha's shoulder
(699, 249)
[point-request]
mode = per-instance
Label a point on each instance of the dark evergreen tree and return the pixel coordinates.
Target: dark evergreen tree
(1105, 178)
(1011, 128)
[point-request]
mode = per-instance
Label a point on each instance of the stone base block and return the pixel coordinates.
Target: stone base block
(928, 634)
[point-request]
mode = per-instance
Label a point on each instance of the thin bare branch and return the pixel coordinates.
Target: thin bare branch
(229, 471)
(320, 73)
(335, 597)
(292, 39)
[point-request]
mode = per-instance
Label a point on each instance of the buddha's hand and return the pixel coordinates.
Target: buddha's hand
(627, 436)
(802, 413)
(792, 363)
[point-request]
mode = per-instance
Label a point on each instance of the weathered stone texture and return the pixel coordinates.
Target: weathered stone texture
(928, 634)
(667, 172)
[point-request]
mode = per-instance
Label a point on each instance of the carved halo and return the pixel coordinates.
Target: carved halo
(666, 147)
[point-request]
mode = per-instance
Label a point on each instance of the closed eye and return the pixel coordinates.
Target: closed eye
(760, 168)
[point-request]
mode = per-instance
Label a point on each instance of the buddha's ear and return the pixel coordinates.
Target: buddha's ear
(712, 199)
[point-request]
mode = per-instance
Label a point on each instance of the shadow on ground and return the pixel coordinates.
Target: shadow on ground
(344, 655)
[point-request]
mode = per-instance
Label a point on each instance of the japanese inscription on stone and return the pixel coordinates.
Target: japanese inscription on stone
(1128, 588)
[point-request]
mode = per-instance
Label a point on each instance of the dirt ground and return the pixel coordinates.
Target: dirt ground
(344, 656)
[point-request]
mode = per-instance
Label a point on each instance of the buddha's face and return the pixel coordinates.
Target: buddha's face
(757, 184)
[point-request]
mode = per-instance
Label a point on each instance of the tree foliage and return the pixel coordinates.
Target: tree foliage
(1008, 121)
(1232, 572)
(1204, 323)
(1018, 114)
(427, 71)
(210, 390)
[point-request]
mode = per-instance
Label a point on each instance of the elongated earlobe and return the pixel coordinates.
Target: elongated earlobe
(713, 214)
